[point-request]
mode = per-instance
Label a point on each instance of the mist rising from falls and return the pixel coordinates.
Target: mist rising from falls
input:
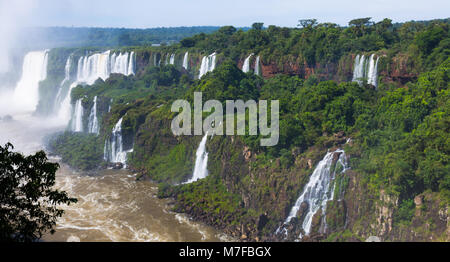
(113, 151)
(201, 162)
(246, 65)
(93, 120)
(318, 191)
(77, 119)
(186, 61)
(208, 64)
(34, 70)
(366, 69)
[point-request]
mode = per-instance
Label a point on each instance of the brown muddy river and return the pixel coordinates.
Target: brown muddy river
(113, 206)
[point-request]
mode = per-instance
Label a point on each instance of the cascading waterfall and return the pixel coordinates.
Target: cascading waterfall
(318, 191)
(93, 120)
(59, 95)
(246, 65)
(172, 59)
(366, 69)
(95, 66)
(201, 162)
(185, 60)
(77, 119)
(113, 150)
(372, 74)
(257, 66)
(208, 64)
(131, 63)
(34, 70)
(358, 69)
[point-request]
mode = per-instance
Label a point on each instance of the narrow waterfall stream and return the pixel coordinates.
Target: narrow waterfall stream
(201, 162)
(246, 65)
(318, 191)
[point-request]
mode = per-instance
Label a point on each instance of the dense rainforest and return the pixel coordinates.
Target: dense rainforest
(395, 132)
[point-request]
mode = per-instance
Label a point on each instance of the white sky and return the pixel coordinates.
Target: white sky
(150, 13)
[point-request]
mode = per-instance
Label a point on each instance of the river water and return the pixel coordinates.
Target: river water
(112, 205)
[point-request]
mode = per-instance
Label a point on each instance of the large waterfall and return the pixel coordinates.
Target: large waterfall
(208, 64)
(77, 118)
(113, 151)
(34, 70)
(93, 120)
(246, 65)
(92, 67)
(101, 65)
(201, 162)
(186, 60)
(318, 191)
(257, 66)
(366, 69)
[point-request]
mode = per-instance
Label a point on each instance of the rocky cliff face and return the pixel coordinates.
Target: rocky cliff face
(399, 69)
(265, 195)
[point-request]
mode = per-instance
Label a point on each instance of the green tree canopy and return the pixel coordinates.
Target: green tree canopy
(28, 202)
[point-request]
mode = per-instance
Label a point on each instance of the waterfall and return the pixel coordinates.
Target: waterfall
(172, 59)
(246, 66)
(131, 62)
(167, 60)
(113, 150)
(77, 119)
(372, 74)
(257, 66)
(208, 64)
(201, 162)
(93, 121)
(110, 103)
(101, 65)
(186, 61)
(358, 69)
(95, 66)
(317, 192)
(366, 69)
(34, 70)
(66, 79)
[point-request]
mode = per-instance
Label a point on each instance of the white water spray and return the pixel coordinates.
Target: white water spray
(93, 120)
(77, 119)
(186, 60)
(172, 59)
(34, 70)
(318, 191)
(201, 162)
(208, 64)
(366, 69)
(246, 65)
(257, 66)
(113, 150)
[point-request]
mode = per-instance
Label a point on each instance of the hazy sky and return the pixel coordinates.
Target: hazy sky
(151, 13)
